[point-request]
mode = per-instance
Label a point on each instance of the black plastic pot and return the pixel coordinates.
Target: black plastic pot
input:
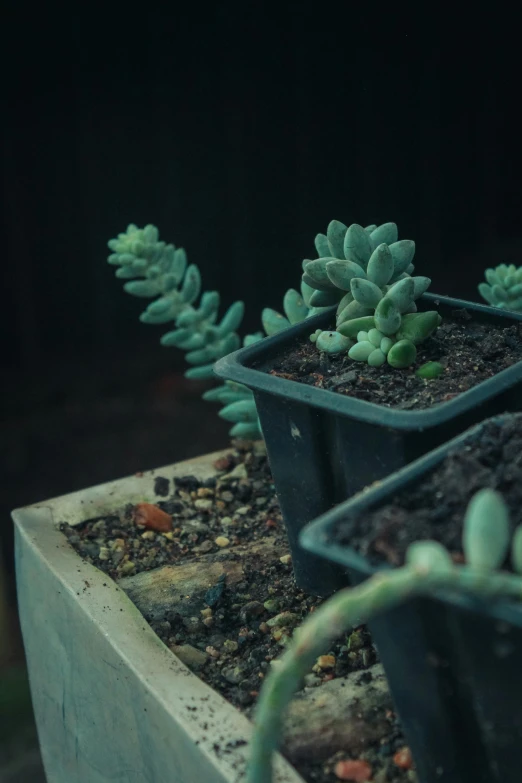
(324, 447)
(453, 663)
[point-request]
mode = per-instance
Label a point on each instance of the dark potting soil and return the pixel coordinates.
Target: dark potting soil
(469, 351)
(230, 643)
(434, 509)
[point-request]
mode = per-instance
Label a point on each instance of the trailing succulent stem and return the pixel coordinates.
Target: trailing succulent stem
(159, 271)
(503, 287)
(367, 272)
(428, 568)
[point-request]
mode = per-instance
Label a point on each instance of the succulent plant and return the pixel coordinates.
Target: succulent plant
(154, 269)
(428, 569)
(367, 273)
(503, 288)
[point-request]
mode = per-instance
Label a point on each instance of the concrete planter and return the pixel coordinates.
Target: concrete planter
(112, 702)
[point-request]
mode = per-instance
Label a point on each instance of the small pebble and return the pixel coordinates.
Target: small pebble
(403, 758)
(205, 492)
(148, 535)
(285, 619)
(190, 656)
(239, 472)
(223, 463)
(104, 553)
(205, 546)
(357, 771)
(326, 662)
(152, 517)
(286, 559)
(222, 541)
(230, 646)
(127, 568)
(203, 504)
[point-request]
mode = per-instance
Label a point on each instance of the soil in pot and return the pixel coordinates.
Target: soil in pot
(469, 351)
(435, 507)
(228, 530)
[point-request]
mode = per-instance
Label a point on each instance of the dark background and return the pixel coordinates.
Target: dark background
(240, 133)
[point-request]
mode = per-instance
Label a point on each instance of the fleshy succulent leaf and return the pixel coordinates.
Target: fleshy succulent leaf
(387, 232)
(294, 306)
(486, 531)
(352, 327)
(365, 293)
(402, 354)
(402, 294)
(273, 322)
(380, 266)
(333, 342)
(324, 298)
(335, 238)
(316, 275)
(387, 316)
(417, 327)
(357, 245)
(341, 273)
(322, 246)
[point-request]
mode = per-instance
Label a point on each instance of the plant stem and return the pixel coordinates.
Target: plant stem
(347, 608)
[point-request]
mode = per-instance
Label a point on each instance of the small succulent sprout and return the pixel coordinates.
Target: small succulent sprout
(402, 354)
(430, 370)
(486, 534)
(503, 288)
(332, 342)
(315, 335)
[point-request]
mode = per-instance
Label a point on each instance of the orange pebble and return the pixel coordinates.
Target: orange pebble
(356, 771)
(403, 758)
(152, 517)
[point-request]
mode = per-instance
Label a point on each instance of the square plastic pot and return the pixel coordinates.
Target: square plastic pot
(111, 701)
(323, 447)
(453, 663)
